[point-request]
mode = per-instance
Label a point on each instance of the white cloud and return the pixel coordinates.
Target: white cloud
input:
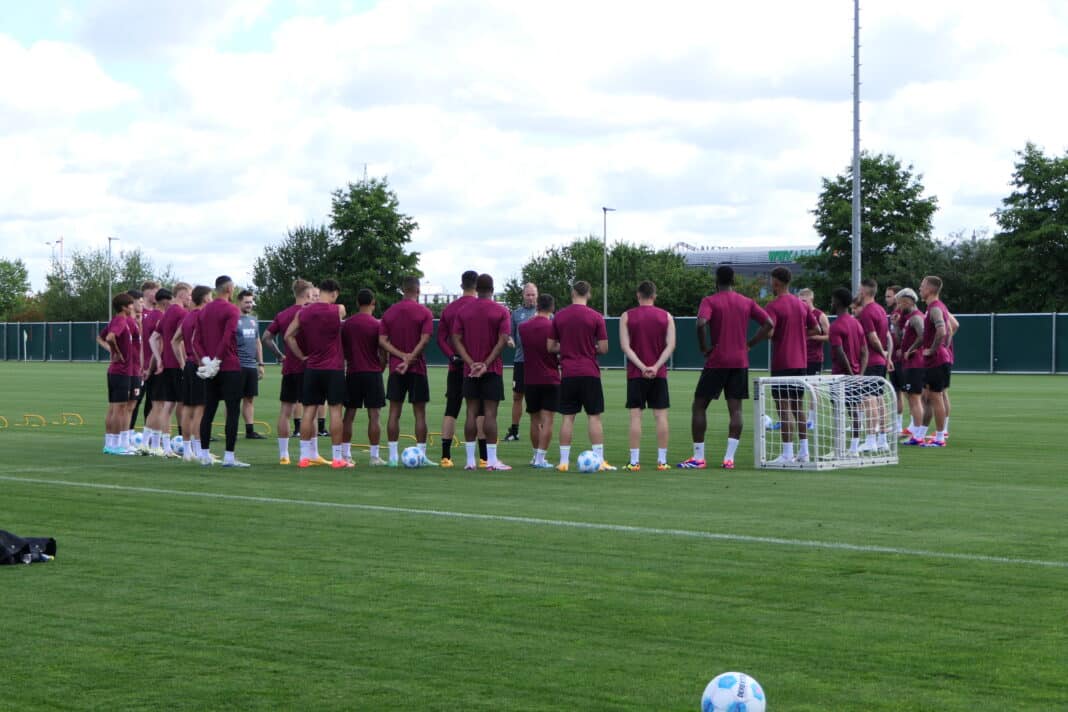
(505, 127)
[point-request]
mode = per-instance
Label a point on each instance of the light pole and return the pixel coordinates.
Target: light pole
(604, 236)
(856, 266)
(110, 274)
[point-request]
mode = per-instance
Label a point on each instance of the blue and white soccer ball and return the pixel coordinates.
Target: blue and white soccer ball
(178, 444)
(589, 461)
(138, 439)
(411, 456)
(733, 692)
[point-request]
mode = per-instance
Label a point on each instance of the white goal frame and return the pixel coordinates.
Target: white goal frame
(838, 401)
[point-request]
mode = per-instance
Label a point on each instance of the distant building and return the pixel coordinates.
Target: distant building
(746, 261)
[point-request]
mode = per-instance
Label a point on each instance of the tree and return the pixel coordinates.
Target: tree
(365, 245)
(77, 290)
(680, 288)
(895, 225)
(14, 285)
(1033, 242)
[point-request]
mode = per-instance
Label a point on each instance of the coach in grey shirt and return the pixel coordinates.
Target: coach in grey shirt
(250, 354)
(528, 309)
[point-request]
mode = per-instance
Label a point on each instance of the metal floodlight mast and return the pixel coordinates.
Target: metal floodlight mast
(856, 147)
(604, 236)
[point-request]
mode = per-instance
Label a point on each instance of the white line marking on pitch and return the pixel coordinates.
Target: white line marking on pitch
(623, 528)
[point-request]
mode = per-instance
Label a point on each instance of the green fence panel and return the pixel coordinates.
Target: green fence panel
(36, 343)
(1062, 343)
(13, 342)
(3, 341)
(1023, 343)
(83, 341)
(971, 344)
(614, 358)
(688, 355)
(59, 341)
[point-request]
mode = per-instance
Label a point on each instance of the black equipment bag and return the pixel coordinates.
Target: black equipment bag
(16, 550)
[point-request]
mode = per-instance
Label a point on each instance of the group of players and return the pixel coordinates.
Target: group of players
(195, 356)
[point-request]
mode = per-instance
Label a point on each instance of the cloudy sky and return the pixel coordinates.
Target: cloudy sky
(201, 130)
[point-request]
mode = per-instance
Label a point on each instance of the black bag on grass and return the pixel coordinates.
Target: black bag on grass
(16, 550)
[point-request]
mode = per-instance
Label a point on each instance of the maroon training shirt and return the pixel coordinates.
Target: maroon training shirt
(168, 325)
(120, 327)
(728, 314)
(578, 329)
(218, 329)
(133, 367)
(847, 332)
(359, 342)
(647, 327)
(189, 325)
(480, 324)
(320, 323)
(814, 349)
(149, 321)
(446, 325)
(278, 326)
(540, 367)
(873, 318)
(405, 323)
(792, 319)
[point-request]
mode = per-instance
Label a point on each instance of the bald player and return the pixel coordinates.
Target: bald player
(526, 311)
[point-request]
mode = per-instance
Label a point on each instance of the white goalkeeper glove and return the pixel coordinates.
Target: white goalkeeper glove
(209, 369)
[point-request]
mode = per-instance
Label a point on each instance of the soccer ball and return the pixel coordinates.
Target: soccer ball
(178, 444)
(589, 461)
(411, 456)
(138, 439)
(733, 692)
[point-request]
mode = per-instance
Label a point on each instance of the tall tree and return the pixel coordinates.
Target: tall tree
(680, 288)
(304, 253)
(77, 289)
(895, 225)
(14, 286)
(1033, 242)
(364, 245)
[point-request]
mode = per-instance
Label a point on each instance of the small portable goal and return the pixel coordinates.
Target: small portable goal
(849, 421)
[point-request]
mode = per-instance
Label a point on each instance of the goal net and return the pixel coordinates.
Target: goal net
(848, 421)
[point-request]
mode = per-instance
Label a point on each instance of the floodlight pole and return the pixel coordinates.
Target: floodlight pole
(110, 274)
(856, 147)
(604, 236)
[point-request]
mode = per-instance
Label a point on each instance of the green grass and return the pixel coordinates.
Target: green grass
(160, 600)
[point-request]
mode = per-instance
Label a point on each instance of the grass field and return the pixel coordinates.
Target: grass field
(938, 584)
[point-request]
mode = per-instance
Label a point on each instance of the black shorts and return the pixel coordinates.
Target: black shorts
(250, 382)
(897, 376)
(879, 371)
(194, 390)
(226, 386)
(648, 393)
(414, 385)
(487, 387)
(292, 388)
(788, 392)
(118, 388)
(854, 392)
(949, 374)
(323, 386)
(168, 385)
(365, 390)
(913, 380)
(542, 396)
(732, 382)
(518, 384)
(454, 391)
(937, 379)
(814, 368)
(581, 393)
(148, 387)
(135, 387)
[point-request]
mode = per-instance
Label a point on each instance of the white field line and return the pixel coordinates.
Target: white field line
(564, 523)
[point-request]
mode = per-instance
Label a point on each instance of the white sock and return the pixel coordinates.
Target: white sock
(918, 431)
(228, 456)
(598, 450)
(565, 454)
(788, 451)
(732, 447)
(491, 454)
(283, 447)
(315, 448)
(802, 446)
(306, 451)
(166, 441)
(422, 449)
(109, 440)
(881, 440)
(539, 456)
(812, 416)
(940, 436)
(635, 456)
(661, 456)
(897, 424)
(854, 445)
(374, 451)
(470, 449)
(335, 452)
(912, 426)
(946, 428)
(869, 441)
(205, 455)
(393, 450)
(124, 439)
(699, 451)
(194, 447)
(153, 439)
(346, 450)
